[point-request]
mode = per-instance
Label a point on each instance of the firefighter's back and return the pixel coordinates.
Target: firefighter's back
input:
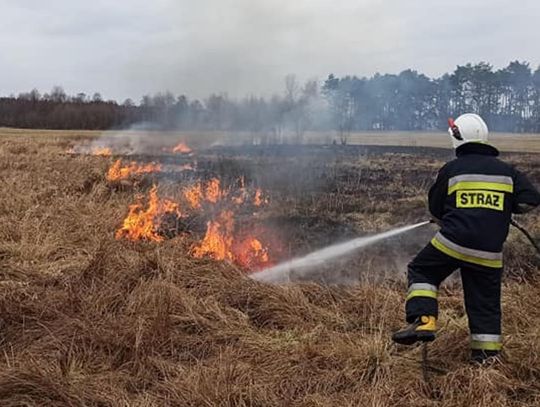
(479, 201)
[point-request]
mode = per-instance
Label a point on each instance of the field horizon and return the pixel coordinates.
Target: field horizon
(508, 142)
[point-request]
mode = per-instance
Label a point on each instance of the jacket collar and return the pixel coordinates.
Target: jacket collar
(476, 148)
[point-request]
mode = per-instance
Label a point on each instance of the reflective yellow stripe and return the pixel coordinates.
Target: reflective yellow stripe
(421, 293)
(492, 186)
(471, 259)
(486, 345)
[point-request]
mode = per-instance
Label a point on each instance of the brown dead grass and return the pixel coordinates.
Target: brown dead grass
(90, 321)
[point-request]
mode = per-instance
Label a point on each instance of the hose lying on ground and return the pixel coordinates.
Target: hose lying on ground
(527, 235)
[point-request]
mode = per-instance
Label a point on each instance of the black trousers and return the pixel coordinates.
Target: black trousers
(481, 286)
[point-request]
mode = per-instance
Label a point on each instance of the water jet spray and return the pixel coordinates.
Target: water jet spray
(306, 264)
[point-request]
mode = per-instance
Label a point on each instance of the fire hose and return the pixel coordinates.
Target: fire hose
(527, 235)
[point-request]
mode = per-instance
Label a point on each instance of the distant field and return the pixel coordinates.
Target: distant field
(510, 142)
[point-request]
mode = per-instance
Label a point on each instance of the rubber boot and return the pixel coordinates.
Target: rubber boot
(485, 357)
(421, 330)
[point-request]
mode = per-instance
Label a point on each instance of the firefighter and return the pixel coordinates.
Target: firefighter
(472, 200)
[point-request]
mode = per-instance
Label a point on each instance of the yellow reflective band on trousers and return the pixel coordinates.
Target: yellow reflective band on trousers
(457, 252)
(422, 290)
(486, 342)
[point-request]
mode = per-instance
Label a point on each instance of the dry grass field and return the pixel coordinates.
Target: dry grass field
(92, 320)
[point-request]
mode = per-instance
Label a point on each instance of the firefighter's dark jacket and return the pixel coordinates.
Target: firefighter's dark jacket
(474, 197)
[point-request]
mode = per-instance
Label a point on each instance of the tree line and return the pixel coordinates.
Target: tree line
(508, 98)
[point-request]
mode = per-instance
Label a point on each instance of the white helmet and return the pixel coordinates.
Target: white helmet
(466, 128)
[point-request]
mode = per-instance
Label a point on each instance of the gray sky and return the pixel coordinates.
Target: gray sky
(126, 48)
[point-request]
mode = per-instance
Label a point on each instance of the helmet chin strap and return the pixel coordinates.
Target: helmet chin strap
(455, 129)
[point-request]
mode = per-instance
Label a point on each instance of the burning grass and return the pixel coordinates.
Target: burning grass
(144, 223)
(119, 172)
(182, 148)
(223, 240)
(91, 320)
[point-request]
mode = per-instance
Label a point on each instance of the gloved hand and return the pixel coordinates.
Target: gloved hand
(436, 221)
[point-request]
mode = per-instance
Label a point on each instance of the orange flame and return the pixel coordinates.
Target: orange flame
(218, 240)
(259, 199)
(213, 190)
(251, 254)
(219, 243)
(102, 151)
(143, 224)
(197, 193)
(186, 167)
(223, 240)
(239, 200)
(182, 148)
(118, 172)
(241, 197)
(194, 195)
